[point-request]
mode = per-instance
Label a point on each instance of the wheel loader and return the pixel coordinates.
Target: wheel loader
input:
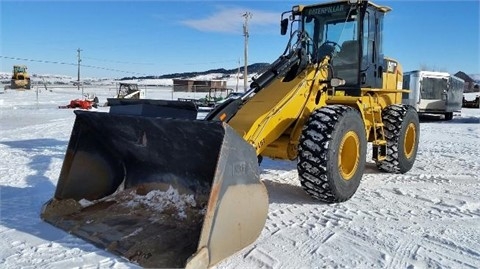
(20, 78)
(165, 190)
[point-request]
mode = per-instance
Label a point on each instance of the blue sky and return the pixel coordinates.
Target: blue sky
(162, 37)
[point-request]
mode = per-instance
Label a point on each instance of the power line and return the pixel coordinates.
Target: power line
(39, 61)
(215, 62)
(73, 64)
(100, 67)
(114, 61)
(115, 70)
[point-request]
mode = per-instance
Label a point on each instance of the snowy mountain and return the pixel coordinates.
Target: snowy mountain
(220, 72)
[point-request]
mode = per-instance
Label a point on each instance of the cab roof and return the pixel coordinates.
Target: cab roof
(384, 9)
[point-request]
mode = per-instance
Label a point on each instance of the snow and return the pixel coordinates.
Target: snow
(426, 218)
(160, 200)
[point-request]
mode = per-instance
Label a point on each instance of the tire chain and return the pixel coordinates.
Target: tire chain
(313, 168)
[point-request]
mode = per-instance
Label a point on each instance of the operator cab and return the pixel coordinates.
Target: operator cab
(350, 33)
(19, 69)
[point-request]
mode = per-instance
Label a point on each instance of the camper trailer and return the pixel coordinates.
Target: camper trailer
(433, 92)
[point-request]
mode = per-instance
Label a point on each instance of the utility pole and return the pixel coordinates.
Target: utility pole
(238, 74)
(78, 75)
(247, 15)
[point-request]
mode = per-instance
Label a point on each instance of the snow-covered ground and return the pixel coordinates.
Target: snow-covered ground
(426, 218)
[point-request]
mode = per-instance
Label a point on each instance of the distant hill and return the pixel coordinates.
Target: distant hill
(464, 76)
(475, 77)
(253, 68)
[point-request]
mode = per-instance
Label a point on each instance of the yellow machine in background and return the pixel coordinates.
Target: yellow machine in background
(152, 184)
(20, 78)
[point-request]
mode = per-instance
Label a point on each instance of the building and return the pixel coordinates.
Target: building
(192, 85)
(470, 84)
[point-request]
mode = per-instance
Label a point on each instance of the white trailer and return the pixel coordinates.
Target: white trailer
(433, 92)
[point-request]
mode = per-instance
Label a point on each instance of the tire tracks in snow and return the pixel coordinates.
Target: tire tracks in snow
(364, 232)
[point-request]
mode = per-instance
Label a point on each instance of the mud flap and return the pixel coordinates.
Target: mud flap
(160, 192)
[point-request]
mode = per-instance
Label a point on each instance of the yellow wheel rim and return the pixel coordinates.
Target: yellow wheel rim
(409, 141)
(349, 155)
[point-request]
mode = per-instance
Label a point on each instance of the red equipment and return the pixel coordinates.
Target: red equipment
(83, 104)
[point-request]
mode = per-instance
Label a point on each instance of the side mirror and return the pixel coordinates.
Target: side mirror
(283, 26)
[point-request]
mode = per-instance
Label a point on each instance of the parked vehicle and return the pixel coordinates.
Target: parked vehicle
(126, 91)
(20, 78)
(475, 103)
(433, 92)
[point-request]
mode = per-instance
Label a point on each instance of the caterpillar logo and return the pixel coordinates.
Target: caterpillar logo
(325, 10)
(239, 168)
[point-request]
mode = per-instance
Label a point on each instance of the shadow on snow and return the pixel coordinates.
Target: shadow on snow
(285, 192)
(21, 206)
(440, 119)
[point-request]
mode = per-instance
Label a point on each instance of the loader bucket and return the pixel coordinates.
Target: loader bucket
(159, 192)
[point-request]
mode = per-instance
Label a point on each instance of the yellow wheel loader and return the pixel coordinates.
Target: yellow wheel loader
(149, 182)
(20, 78)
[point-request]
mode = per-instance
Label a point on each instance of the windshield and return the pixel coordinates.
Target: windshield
(19, 69)
(333, 31)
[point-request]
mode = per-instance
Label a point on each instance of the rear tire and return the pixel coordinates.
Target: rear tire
(402, 131)
(332, 153)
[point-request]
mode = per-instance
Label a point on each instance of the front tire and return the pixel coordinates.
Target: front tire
(332, 153)
(402, 132)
